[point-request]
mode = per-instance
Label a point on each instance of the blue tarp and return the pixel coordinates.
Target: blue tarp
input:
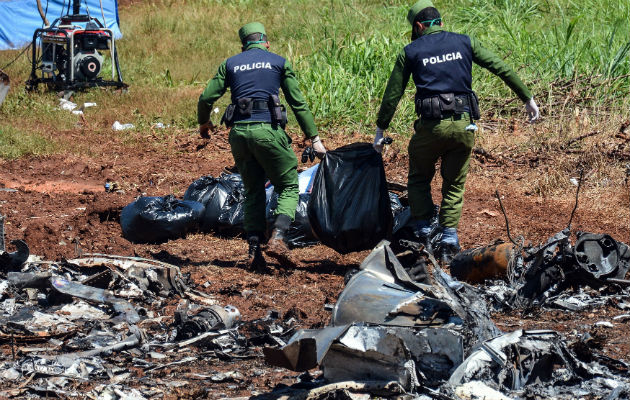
(20, 18)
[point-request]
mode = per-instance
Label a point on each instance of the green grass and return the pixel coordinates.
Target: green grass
(343, 52)
(15, 143)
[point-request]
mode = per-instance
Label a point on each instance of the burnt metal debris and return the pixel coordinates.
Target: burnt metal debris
(555, 274)
(401, 329)
(105, 320)
(392, 336)
(94, 318)
(13, 260)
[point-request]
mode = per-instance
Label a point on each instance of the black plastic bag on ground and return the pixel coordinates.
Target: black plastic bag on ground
(350, 207)
(232, 215)
(405, 228)
(223, 200)
(400, 213)
(201, 190)
(158, 219)
(300, 233)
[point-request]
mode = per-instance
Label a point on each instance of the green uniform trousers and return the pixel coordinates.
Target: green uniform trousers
(262, 151)
(449, 140)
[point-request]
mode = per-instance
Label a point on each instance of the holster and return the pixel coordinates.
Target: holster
(278, 111)
(245, 107)
(429, 108)
(473, 103)
(228, 116)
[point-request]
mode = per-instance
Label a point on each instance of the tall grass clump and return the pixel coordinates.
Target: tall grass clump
(554, 42)
(344, 80)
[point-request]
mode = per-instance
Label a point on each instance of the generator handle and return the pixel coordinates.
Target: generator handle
(41, 12)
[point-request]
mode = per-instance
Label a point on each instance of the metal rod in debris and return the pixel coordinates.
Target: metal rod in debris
(577, 197)
(2, 246)
(507, 223)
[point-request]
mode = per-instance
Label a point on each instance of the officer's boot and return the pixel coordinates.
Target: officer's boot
(277, 247)
(255, 259)
(448, 246)
(423, 231)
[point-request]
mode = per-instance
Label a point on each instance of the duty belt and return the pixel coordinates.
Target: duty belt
(444, 105)
(259, 105)
(242, 110)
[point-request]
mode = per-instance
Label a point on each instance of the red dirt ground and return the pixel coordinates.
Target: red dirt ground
(60, 206)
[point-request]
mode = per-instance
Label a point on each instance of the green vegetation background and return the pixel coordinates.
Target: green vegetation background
(343, 52)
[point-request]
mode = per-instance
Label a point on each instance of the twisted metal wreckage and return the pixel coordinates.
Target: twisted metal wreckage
(555, 274)
(402, 328)
(435, 339)
(94, 317)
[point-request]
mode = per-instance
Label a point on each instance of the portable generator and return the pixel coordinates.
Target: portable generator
(68, 54)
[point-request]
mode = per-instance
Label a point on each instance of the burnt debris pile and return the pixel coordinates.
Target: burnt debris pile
(104, 326)
(403, 327)
(556, 274)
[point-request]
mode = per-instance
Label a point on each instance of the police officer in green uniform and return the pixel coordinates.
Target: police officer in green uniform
(441, 65)
(260, 146)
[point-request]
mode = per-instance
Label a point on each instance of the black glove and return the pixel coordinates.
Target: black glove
(308, 154)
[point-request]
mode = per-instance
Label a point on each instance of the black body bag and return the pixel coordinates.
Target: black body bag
(223, 200)
(349, 209)
(159, 219)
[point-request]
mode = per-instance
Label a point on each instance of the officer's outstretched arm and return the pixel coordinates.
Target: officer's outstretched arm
(216, 88)
(296, 101)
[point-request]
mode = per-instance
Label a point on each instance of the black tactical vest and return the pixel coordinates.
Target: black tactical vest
(257, 74)
(440, 62)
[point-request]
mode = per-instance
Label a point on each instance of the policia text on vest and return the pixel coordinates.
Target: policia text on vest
(249, 67)
(442, 58)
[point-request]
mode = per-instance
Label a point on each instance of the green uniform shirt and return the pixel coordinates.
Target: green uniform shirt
(217, 87)
(481, 56)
